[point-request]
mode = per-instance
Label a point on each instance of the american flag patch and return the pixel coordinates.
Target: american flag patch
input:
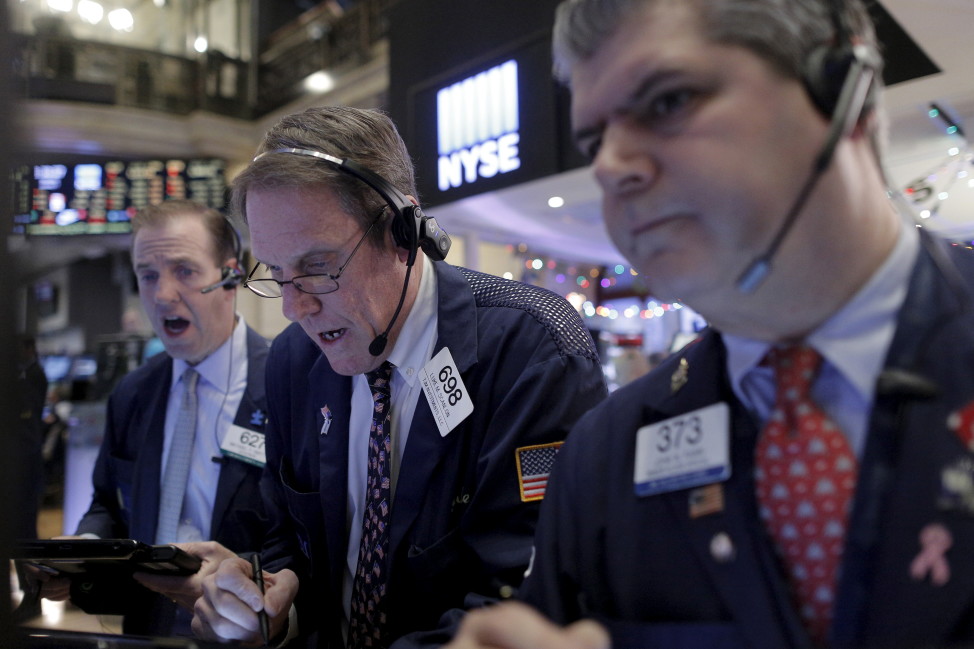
(533, 468)
(706, 500)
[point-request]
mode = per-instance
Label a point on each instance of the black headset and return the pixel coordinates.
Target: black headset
(840, 78)
(411, 228)
(828, 67)
(230, 277)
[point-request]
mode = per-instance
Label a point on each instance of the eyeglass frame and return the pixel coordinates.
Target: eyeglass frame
(280, 284)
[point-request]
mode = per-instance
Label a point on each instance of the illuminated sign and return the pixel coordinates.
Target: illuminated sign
(477, 127)
(101, 198)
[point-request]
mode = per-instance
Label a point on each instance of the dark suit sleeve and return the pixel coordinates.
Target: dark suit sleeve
(528, 394)
(281, 549)
(112, 481)
(552, 583)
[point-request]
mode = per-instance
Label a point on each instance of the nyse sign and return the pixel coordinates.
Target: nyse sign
(477, 127)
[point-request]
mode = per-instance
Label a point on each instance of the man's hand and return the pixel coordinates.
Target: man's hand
(51, 584)
(513, 625)
(185, 590)
(231, 600)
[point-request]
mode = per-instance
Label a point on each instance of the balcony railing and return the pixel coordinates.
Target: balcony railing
(63, 68)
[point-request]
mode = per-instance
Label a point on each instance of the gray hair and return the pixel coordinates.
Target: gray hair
(366, 136)
(782, 32)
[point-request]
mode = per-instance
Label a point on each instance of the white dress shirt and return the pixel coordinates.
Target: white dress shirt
(853, 344)
(414, 348)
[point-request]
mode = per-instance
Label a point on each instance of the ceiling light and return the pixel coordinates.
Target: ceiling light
(121, 20)
(319, 82)
(556, 201)
(90, 11)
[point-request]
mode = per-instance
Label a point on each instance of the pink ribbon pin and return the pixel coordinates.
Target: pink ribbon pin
(935, 540)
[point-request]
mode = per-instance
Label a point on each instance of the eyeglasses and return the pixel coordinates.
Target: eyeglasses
(320, 284)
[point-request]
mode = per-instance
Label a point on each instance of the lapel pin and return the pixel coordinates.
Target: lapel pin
(326, 424)
(680, 376)
(258, 418)
(705, 500)
(957, 485)
(935, 540)
(962, 423)
(722, 548)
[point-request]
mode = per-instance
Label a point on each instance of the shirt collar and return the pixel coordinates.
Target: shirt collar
(855, 338)
(414, 345)
(216, 369)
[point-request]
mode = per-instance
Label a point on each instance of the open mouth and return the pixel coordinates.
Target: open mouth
(331, 336)
(175, 325)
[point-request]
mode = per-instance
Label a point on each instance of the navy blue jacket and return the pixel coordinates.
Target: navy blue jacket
(459, 531)
(127, 474)
(660, 577)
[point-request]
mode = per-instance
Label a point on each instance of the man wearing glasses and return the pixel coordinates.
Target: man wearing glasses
(206, 390)
(412, 423)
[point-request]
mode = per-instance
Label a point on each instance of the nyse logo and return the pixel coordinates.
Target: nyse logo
(477, 127)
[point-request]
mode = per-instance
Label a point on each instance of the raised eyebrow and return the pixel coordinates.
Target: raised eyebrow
(169, 263)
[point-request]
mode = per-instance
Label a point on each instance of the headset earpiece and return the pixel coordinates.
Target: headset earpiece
(433, 239)
(405, 229)
(414, 231)
(828, 66)
(230, 277)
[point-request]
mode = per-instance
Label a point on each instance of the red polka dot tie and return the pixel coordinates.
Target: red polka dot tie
(806, 475)
(368, 615)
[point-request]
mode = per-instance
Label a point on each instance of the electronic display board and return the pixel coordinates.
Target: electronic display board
(102, 197)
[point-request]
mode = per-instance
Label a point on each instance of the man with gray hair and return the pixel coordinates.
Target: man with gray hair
(415, 408)
(802, 474)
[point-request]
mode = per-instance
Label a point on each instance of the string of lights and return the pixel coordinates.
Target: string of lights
(931, 190)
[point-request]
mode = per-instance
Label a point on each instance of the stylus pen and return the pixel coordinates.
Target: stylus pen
(265, 632)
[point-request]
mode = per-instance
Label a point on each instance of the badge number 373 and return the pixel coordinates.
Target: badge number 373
(682, 452)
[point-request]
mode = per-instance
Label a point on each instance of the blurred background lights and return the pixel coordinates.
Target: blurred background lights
(319, 82)
(90, 11)
(121, 20)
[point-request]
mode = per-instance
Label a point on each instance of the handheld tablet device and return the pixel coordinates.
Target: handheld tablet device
(79, 556)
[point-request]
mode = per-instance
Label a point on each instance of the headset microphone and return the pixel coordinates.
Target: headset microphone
(231, 277)
(378, 344)
(851, 102)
